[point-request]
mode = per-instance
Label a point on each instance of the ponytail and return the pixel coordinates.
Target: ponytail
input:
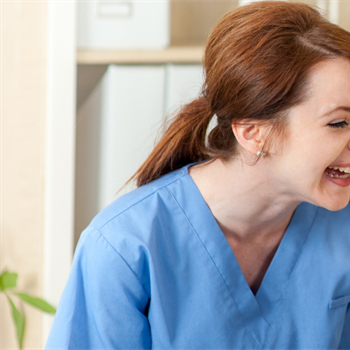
(182, 143)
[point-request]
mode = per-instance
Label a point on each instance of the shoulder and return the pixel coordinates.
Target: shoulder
(138, 227)
(138, 223)
(134, 203)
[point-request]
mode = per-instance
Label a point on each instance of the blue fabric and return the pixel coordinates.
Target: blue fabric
(153, 270)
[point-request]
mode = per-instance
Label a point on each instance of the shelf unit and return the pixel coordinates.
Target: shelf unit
(190, 24)
(93, 64)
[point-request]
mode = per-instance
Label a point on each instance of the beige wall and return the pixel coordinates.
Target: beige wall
(23, 90)
(344, 14)
(192, 21)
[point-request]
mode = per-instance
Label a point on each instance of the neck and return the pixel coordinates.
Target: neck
(247, 202)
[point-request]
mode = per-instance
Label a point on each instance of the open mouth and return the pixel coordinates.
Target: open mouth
(336, 172)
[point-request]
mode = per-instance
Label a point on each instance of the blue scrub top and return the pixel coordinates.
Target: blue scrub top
(153, 270)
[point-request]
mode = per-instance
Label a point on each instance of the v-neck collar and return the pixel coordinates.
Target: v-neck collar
(257, 311)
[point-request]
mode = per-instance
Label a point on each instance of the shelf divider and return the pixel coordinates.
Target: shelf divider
(174, 54)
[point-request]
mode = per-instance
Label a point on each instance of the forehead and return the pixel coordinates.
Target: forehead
(329, 85)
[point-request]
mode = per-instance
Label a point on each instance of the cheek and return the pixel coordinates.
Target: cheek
(306, 160)
(315, 150)
(306, 152)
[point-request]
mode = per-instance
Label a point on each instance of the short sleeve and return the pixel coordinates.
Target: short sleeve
(103, 305)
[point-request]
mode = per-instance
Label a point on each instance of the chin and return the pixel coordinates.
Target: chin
(335, 204)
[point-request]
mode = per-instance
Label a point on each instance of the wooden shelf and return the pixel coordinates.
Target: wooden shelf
(175, 54)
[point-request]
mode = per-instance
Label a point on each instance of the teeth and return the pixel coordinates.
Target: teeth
(343, 170)
(345, 176)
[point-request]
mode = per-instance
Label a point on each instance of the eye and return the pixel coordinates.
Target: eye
(341, 124)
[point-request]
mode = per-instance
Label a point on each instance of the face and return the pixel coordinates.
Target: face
(318, 140)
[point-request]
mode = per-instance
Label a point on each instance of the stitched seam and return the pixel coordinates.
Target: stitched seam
(223, 280)
(141, 200)
(137, 277)
(290, 276)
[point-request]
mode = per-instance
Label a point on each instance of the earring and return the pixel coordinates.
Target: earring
(260, 154)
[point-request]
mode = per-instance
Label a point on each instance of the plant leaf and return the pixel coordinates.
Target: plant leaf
(36, 302)
(8, 280)
(19, 321)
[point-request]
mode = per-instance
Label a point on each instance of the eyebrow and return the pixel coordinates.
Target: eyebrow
(340, 108)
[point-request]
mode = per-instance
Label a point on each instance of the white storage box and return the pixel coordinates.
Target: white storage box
(123, 25)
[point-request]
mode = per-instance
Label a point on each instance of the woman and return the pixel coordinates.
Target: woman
(240, 241)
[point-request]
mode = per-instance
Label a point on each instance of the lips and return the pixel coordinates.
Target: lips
(338, 177)
(340, 165)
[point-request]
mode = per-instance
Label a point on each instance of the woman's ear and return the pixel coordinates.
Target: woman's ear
(250, 136)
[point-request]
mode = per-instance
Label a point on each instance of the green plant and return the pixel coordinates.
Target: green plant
(8, 281)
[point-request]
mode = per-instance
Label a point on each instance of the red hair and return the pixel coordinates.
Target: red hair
(256, 66)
